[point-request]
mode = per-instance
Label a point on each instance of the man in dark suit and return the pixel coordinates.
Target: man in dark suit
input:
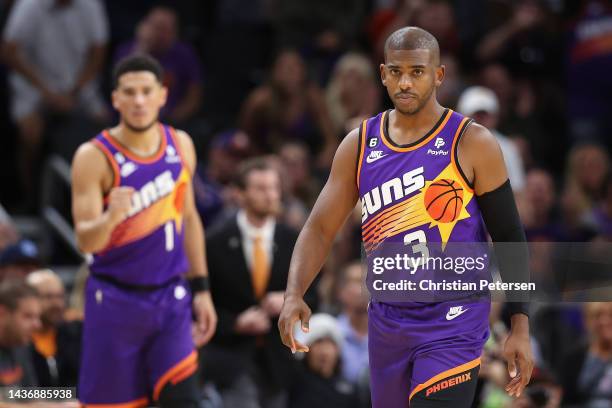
(248, 260)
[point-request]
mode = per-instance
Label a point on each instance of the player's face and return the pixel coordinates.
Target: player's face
(138, 98)
(262, 194)
(410, 77)
(24, 321)
(323, 357)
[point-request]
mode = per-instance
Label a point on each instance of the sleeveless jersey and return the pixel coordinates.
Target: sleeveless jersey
(147, 247)
(398, 214)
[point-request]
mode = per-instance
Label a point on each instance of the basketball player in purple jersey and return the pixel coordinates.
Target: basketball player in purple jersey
(421, 354)
(134, 212)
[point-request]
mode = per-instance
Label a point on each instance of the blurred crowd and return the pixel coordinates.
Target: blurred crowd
(267, 89)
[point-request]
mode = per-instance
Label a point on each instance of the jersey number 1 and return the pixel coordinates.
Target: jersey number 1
(169, 230)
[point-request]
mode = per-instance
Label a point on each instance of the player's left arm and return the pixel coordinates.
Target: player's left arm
(481, 160)
(196, 251)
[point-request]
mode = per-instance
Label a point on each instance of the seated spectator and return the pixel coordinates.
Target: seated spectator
(18, 260)
(319, 382)
(587, 167)
(587, 373)
(300, 180)
(157, 35)
(353, 93)
(212, 180)
(19, 319)
(602, 213)
(353, 322)
(289, 107)
(542, 224)
(56, 345)
(481, 104)
(55, 49)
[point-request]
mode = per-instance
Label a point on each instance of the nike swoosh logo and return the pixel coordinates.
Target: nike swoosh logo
(370, 159)
(450, 316)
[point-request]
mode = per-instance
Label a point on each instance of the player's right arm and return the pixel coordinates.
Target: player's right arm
(334, 204)
(91, 177)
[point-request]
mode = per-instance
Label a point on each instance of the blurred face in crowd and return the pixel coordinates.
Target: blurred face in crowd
(411, 77)
(590, 164)
(353, 293)
(262, 193)
(486, 119)
(18, 325)
(17, 271)
(599, 320)
(52, 297)
(323, 357)
(540, 191)
(436, 17)
(289, 72)
(294, 159)
(163, 28)
(497, 78)
(138, 98)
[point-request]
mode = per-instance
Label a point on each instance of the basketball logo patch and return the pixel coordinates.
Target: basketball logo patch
(444, 200)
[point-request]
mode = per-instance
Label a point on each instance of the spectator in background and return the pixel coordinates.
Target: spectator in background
(56, 345)
(248, 260)
(602, 213)
(157, 35)
(586, 171)
(18, 260)
(542, 223)
(353, 323)
(353, 93)
(450, 90)
(481, 104)
(19, 318)
(587, 373)
(55, 49)
(319, 382)
(589, 56)
(289, 107)
(212, 182)
(296, 166)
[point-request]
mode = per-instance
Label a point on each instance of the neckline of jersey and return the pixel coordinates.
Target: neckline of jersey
(411, 146)
(134, 156)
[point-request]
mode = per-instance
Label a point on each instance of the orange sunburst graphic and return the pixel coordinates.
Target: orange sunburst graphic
(169, 208)
(418, 210)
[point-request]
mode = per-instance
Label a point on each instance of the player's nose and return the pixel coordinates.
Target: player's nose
(405, 82)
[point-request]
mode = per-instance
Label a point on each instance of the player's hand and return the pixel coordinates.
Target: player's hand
(252, 322)
(294, 309)
(517, 353)
(206, 317)
(272, 303)
(119, 203)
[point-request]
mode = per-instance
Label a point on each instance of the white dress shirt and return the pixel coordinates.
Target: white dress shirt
(249, 232)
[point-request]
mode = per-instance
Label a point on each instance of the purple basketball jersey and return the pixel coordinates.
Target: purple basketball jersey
(412, 345)
(146, 248)
(393, 181)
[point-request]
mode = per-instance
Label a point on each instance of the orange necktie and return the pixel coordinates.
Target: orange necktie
(261, 268)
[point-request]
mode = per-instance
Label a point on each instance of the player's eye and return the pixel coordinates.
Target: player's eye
(418, 72)
(395, 71)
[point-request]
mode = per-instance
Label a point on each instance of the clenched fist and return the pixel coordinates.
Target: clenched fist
(119, 203)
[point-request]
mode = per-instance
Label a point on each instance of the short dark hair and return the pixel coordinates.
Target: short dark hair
(137, 62)
(12, 291)
(413, 38)
(247, 167)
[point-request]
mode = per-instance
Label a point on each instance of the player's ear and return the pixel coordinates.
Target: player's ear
(440, 72)
(383, 74)
(164, 95)
(115, 99)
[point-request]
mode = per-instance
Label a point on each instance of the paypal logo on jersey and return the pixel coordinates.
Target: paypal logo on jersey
(438, 144)
(391, 191)
(152, 192)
